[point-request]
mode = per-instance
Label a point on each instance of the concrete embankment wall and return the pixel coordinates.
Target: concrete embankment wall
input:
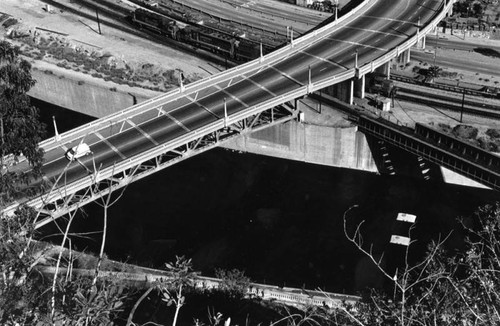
(339, 147)
(81, 95)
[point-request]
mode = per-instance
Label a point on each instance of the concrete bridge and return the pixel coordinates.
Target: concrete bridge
(136, 142)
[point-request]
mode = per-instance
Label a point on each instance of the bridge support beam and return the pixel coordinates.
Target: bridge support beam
(404, 57)
(345, 91)
(384, 70)
(421, 43)
(450, 11)
(360, 86)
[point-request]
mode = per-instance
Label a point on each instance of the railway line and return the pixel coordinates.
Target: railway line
(449, 103)
(115, 16)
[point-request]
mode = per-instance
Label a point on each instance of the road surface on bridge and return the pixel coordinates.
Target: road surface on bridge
(380, 27)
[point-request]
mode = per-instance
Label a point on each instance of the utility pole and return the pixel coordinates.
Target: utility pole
(57, 136)
(225, 113)
(463, 101)
(320, 100)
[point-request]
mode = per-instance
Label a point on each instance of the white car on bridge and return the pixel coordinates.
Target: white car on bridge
(78, 151)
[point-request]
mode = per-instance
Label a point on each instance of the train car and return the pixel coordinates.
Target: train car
(209, 40)
(156, 23)
(246, 50)
(234, 46)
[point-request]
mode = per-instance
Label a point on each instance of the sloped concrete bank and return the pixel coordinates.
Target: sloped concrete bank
(84, 95)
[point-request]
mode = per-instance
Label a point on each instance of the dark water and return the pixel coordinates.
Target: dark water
(280, 221)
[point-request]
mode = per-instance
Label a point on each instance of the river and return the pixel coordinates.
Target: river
(280, 221)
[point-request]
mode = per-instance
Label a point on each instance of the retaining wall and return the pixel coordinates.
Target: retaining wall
(81, 95)
(332, 146)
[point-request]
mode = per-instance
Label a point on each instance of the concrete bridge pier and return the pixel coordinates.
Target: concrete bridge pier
(360, 86)
(421, 42)
(404, 58)
(384, 70)
(343, 91)
(450, 11)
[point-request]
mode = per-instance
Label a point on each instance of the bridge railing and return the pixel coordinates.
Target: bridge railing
(247, 67)
(191, 88)
(370, 67)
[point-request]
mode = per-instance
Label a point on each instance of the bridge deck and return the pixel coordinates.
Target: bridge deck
(161, 131)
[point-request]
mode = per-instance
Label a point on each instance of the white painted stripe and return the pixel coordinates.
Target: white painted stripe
(232, 96)
(259, 85)
(287, 76)
(174, 120)
(193, 100)
(110, 145)
(389, 19)
(325, 60)
(377, 32)
(143, 132)
(360, 44)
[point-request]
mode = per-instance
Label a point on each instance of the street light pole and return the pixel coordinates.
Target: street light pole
(336, 9)
(463, 101)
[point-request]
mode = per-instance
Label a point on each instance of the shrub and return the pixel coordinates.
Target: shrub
(493, 133)
(465, 131)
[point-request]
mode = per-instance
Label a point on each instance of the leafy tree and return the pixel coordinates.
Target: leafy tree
(20, 128)
(19, 287)
(478, 9)
(233, 282)
(172, 289)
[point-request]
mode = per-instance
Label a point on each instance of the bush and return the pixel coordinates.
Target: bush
(465, 131)
(233, 282)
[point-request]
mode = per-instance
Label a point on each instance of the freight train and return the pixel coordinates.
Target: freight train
(231, 46)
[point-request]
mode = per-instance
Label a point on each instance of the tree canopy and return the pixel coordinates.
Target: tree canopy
(20, 128)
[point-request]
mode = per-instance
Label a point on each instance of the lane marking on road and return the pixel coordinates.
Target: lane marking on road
(389, 19)
(360, 44)
(231, 95)
(377, 32)
(259, 85)
(326, 60)
(287, 76)
(194, 101)
(174, 119)
(104, 140)
(145, 134)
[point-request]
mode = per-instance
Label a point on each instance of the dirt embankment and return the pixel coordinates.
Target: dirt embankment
(69, 44)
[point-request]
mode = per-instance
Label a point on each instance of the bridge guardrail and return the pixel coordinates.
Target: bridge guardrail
(114, 117)
(369, 67)
(193, 87)
(153, 103)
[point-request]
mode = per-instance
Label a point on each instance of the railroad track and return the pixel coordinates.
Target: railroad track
(115, 16)
(443, 102)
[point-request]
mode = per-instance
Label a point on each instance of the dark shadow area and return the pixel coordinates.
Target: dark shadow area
(65, 119)
(488, 52)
